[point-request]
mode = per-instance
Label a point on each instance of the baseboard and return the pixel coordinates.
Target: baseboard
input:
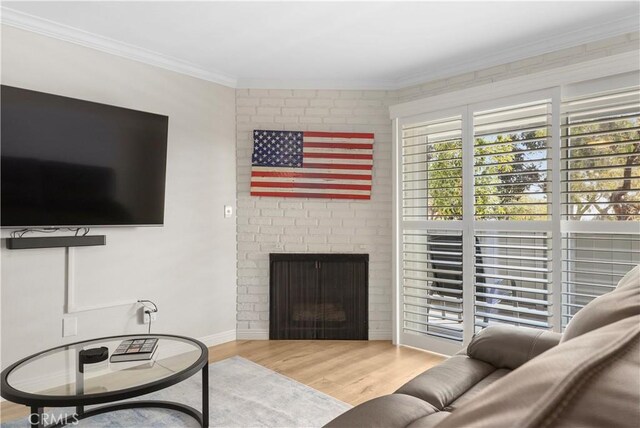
(219, 338)
(262, 334)
(380, 334)
(252, 334)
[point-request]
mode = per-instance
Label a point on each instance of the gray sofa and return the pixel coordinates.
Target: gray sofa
(520, 377)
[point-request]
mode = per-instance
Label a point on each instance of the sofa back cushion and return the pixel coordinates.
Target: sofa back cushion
(591, 380)
(621, 303)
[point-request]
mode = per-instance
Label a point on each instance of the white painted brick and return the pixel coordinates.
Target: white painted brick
(262, 119)
(260, 93)
(306, 221)
(295, 247)
(272, 102)
(246, 111)
(316, 111)
(266, 238)
(271, 212)
(338, 239)
(246, 237)
(243, 102)
(321, 102)
(292, 111)
(310, 120)
(289, 122)
(290, 205)
(295, 230)
(266, 203)
(348, 103)
(268, 111)
(328, 94)
(283, 221)
(296, 102)
(260, 221)
(332, 222)
(272, 230)
(280, 93)
(345, 248)
(324, 231)
(296, 239)
(315, 239)
(248, 316)
(295, 213)
(304, 93)
(319, 248)
(248, 298)
(308, 225)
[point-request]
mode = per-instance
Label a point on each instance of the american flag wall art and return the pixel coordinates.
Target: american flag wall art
(306, 164)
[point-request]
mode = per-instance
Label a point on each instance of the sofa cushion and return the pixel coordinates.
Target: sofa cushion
(507, 346)
(429, 421)
(442, 384)
(618, 304)
(389, 411)
(589, 381)
(477, 389)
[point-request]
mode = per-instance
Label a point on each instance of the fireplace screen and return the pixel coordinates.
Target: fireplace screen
(318, 296)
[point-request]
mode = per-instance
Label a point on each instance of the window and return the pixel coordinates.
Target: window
(432, 170)
(601, 157)
(511, 168)
(552, 223)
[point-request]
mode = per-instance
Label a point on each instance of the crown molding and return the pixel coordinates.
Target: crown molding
(541, 46)
(66, 33)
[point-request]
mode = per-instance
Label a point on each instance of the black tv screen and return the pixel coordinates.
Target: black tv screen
(68, 162)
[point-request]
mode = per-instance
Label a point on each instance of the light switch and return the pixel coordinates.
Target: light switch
(228, 211)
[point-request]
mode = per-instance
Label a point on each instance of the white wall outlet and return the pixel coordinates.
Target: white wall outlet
(228, 211)
(153, 316)
(69, 326)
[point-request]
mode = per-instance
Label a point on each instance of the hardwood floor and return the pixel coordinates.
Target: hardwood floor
(351, 371)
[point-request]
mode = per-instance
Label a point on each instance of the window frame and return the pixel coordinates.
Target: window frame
(546, 85)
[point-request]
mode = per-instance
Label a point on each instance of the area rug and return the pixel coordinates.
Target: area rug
(241, 394)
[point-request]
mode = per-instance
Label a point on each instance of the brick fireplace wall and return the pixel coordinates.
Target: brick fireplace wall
(273, 225)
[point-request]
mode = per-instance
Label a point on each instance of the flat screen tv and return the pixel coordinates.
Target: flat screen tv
(68, 162)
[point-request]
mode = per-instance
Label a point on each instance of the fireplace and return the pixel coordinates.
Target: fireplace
(318, 296)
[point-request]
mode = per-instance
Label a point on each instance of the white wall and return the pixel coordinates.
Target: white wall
(303, 225)
(187, 266)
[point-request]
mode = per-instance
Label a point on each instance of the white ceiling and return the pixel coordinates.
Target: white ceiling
(325, 44)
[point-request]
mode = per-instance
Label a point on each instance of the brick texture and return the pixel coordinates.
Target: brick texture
(586, 52)
(268, 225)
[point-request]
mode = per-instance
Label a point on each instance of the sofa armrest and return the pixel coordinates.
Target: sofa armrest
(505, 346)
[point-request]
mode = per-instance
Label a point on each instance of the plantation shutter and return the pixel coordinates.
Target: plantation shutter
(431, 301)
(432, 283)
(512, 278)
(512, 162)
(592, 265)
(432, 170)
(601, 156)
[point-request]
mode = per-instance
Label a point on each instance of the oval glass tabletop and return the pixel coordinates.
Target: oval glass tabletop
(54, 373)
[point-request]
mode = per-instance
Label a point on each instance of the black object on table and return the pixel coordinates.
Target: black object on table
(177, 367)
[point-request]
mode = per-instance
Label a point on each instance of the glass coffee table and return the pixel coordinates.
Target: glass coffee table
(55, 378)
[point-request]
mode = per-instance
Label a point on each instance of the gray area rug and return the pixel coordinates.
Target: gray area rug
(241, 394)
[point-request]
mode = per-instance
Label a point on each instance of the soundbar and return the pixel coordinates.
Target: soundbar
(55, 242)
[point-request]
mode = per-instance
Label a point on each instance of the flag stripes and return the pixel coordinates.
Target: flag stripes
(299, 164)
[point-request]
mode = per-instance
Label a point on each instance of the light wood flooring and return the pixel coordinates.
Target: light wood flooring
(351, 371)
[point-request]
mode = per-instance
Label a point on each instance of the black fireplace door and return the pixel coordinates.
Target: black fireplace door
(318, 296)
